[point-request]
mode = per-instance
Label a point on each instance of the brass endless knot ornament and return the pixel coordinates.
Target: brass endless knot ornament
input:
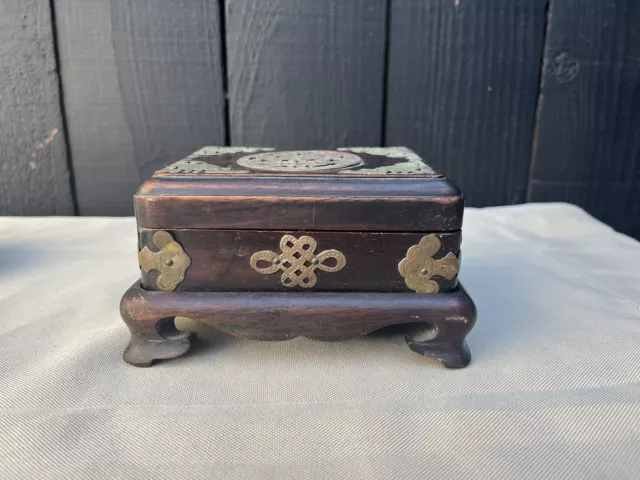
(170, 261)
(298, 261)
(300, 161)
(419, 266)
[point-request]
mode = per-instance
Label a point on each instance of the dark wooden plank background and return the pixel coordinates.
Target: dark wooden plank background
(34, 174)
(515, 100)
(306, 73)
(462, 88)
(142, 85)
(587, 148)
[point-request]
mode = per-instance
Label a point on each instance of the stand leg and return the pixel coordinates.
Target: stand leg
(152, 338)
(444, 338)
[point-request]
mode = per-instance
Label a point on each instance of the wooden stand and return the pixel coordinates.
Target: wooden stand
(439, 322)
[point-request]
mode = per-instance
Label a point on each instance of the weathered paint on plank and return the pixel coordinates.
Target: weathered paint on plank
(462, 89)
(587, 148)
(306, 73)
(34, 175)
(143, 88)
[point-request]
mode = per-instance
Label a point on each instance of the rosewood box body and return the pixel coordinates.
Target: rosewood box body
(223, 205)
(373, 226)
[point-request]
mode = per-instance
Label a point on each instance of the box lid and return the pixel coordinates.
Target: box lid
(349, 189)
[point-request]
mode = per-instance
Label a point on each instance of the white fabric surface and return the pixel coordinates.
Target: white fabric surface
(552, 390)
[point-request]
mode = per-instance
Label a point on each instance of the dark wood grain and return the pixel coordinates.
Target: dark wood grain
(462, 87)
(446, 319)
(312, 203)
(344, 186)
(587, 148)
(143, 83)
(220, 259)
(34, 175)
(306, 73)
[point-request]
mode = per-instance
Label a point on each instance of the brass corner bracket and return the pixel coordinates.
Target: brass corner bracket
(419, 266)
(170, 261)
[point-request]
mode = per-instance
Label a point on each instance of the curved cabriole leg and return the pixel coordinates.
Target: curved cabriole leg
(444, 338)
(154, 336)
(452, 351)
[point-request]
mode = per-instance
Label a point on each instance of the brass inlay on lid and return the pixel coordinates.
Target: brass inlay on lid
(300, 161)
(408, 162)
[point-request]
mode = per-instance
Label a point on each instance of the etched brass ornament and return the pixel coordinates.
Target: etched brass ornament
(298, 261)
(408, 162)
(304, 161)
(419, 266)
(170, 261)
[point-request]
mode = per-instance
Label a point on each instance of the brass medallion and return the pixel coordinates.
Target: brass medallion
(300, 161)
(298, 261)
(170, 261)
(419, 266)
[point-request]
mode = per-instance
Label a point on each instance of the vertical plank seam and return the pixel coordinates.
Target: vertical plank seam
(222, 6)
(385, 74)
(63, 112)
(539, 101)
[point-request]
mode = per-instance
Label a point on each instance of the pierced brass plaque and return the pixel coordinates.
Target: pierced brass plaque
(298, 261)
(419, 266)
(170, 261)
(300, 161)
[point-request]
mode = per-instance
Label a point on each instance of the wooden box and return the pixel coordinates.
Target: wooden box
(275, 244)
